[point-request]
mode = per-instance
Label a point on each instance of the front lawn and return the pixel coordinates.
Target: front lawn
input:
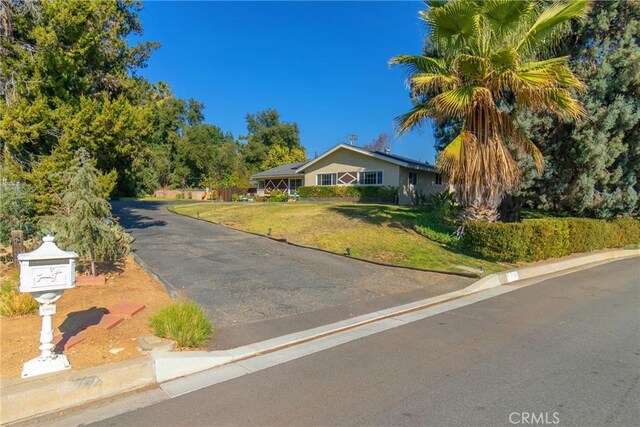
(377, 232)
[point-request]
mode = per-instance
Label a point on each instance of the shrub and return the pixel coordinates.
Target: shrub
(235, 197)
(538, 239)
(180, 196)
(16, 211)
(184, 321)
(432, 226)
(346, 191)
(277, 196)
(12, 301)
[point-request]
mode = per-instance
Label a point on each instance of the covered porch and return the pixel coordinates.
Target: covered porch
(287, 184)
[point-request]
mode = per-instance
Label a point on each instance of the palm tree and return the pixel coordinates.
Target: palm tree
(490, 56)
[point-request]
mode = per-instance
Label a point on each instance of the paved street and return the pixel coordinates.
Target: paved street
(241, 278)
(566, 348)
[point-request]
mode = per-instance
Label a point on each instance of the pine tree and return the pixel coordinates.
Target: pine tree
(593, 166)
(83, 223)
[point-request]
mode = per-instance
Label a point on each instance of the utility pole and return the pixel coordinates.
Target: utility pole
(352, 138)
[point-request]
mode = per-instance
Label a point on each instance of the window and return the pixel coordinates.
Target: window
(326, 179)
(370, 178)
(261, 185)
(438, 179)
(413, 178)
(294, 184)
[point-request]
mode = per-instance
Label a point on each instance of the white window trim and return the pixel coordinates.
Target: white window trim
(334, 180)
(371, 185)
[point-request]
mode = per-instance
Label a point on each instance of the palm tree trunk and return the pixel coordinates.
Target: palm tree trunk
(480, 212)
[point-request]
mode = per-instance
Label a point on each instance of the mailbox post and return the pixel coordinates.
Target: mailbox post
(46, 273)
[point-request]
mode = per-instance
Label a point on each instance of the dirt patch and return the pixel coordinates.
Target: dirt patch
(19, 336)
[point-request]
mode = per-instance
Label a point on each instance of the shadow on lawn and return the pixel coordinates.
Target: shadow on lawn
(393, 216)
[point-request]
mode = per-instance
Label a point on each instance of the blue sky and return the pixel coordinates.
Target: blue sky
(323, 65)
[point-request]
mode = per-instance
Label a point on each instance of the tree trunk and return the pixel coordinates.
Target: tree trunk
(509, 209)
(479, 213)
(476, 213)
(93, 263)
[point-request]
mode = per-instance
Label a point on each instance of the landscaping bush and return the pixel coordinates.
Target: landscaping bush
(346, 191)
(277, 196)
(184, 321)
(538, 239)
(16, 211)
(12, 301)
(433, 226)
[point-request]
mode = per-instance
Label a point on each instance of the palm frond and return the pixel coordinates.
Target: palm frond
(561, 102)
(452, 24)
(505, 16)
(505, 58)
(451, 156)
(456, 102)
(471, 65)
(419, 64)
(565, 77)
(425, 83)
(532, 65)
(416, 117)
(549, 20)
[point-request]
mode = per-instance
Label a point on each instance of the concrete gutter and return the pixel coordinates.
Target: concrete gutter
(23, 399)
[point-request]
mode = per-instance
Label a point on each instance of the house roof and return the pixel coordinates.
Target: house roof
(287, 169)
(392, 158)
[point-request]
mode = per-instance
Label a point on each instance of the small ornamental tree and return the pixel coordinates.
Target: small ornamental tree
(83, 223)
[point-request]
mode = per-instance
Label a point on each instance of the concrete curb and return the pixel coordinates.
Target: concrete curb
(22, 399)
(524, 273)
(172, 370)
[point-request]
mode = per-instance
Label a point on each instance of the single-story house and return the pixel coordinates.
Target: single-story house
(350, 165)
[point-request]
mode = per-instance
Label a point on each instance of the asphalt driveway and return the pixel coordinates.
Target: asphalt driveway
(239, 278)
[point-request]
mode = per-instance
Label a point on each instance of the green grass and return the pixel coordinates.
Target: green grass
(377, 232)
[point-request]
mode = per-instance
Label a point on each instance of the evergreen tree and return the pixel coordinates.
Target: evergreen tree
(67, 76)
(83, 223)
(593, 166)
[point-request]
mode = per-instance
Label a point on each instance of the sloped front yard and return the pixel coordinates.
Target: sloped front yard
(382, 233)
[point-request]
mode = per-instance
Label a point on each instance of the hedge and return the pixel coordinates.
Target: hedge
(538, 239)
(346, 191)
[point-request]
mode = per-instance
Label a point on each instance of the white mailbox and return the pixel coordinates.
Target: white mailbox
(48, 268)
(46, 273)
